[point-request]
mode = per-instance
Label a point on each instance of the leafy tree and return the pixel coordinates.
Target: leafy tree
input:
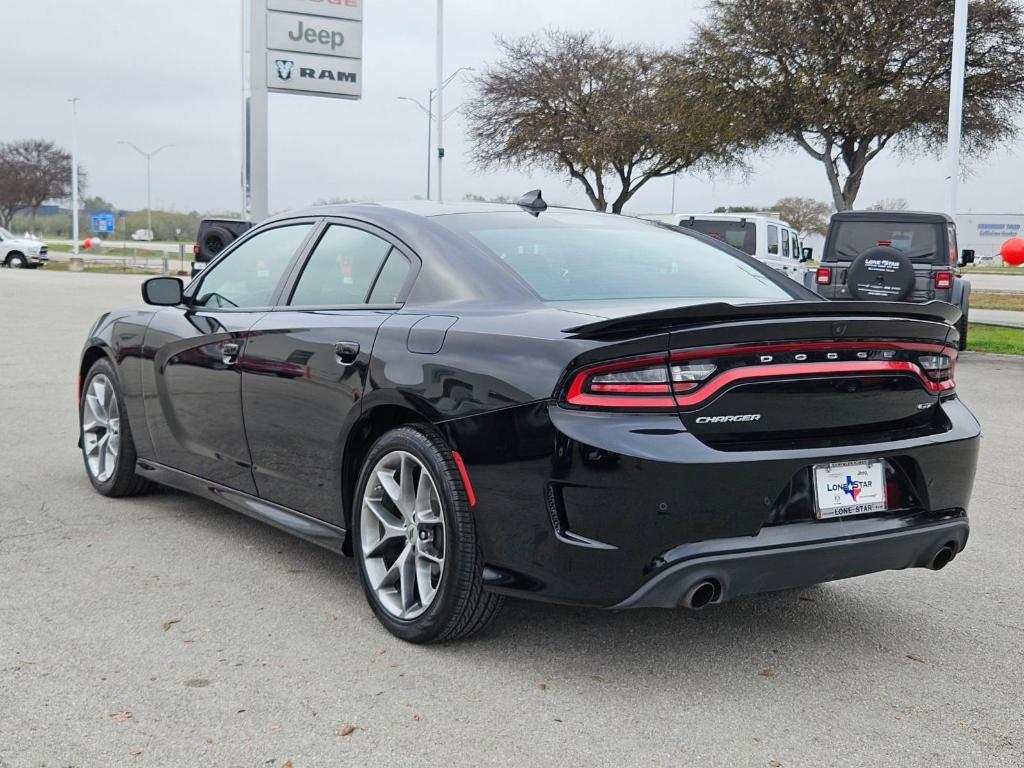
(807, 215)
(609, 116)
(845, 79)
(31, 172)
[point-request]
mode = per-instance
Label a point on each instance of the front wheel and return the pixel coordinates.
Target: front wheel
(414, 538)
(16, 261)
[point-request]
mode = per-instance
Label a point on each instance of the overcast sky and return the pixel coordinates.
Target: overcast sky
(154, 72)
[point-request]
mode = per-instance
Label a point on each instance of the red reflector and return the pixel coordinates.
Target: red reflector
(195, 249)
(470, 496)
(824, 276)
(943, 279)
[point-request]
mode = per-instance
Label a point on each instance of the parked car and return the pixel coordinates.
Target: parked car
(895, 256)
(486, 400)
(22, 252)
(769, 240)
(143, 235)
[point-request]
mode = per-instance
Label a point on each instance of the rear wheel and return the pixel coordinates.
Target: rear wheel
(106, 437)
(414, 539)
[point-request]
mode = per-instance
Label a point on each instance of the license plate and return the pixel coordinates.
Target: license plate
(849, 488)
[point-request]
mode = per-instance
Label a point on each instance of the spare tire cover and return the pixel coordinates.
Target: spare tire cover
(214, 241)
(882, 273)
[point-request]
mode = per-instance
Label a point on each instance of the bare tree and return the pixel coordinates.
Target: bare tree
(611, 117)
(809, 216)
(31, 172)
(891, 204)
(845, 79)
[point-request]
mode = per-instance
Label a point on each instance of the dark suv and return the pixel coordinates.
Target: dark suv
(894, 256)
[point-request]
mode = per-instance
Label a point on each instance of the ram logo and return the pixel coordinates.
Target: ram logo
(728, 419)
(284, 68)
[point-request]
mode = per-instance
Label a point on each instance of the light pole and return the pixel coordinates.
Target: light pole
(440, 98)
(74, 174)
(429, 111)
(149, 200)
(956, 99)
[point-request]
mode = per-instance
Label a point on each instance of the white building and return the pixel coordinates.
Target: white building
(985, 233)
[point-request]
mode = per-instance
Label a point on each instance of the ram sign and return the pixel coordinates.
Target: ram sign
(315, 47)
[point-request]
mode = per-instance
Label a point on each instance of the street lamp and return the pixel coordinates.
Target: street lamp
(149, 157)
(429, 111)
(74, 174)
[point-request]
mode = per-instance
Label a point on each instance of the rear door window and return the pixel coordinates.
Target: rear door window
(341, 269)
(919, 240)
(773, 239)
(785, 243)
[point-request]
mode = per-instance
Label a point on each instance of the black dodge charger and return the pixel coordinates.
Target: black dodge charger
(481, 400)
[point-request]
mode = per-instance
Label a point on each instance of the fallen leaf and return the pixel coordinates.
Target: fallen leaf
(165, 625)
(122, 716)
(416, 717)
(346, 730)
(774, 764)
(915, 657)
(287, 764)
(767, 672)
(136, 753)
(542, 686)
(275, 728)
(209, 739)
(332, 616)
(597, 678)
(382, 651)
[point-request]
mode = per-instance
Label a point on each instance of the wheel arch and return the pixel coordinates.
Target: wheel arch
(375, 420)
(94, 351)
(12, 254)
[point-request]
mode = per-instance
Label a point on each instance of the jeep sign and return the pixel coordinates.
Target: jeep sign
(313, 34)
(321, 75)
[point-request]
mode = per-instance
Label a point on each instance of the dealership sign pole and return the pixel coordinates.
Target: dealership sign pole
(304, 47)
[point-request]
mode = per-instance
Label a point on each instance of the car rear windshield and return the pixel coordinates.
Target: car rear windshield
(565, 256)
(738, 234)
(919, 240)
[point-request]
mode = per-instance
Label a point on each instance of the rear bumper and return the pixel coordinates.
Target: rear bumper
(786, 565)
(613, 510)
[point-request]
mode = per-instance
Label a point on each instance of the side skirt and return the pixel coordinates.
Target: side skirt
(289, 520)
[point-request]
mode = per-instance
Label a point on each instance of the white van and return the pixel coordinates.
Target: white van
(767, 239)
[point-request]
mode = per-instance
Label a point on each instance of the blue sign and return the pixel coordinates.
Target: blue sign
(103, 222)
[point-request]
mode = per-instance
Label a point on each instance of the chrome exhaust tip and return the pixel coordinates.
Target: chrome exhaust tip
(700, 594)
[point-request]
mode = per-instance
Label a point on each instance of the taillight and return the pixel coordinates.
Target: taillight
(943, 280)
(637, 383)
(824, 276)
(938, 368)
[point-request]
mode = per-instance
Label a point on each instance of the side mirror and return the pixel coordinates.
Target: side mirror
(163, 291)
(966, 257)
(806, 254)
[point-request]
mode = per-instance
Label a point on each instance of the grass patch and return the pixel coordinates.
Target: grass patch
(128, 251)
(997, 300)
(992, 338)
(1012, 270)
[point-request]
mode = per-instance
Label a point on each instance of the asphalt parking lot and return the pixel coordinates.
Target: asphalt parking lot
(167, 631)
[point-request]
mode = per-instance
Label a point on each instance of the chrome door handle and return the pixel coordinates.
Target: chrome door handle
(229, 353)
(346, 352)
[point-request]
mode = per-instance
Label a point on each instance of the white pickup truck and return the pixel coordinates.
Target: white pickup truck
(20, 252)
(769, 240)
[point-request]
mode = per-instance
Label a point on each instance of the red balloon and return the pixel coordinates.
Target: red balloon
(1013, 251)
(87, 244)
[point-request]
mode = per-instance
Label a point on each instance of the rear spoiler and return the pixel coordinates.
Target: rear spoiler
(662, 319)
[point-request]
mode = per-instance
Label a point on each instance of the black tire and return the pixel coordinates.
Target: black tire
(461, 607)
(123, 481)
(16, 261)
(882, 273)
(215, 240)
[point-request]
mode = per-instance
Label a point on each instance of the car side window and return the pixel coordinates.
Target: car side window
(785, 243)
(953, 252)
(248, 276)
(390, 280)
(341, 268)
(773, 239)
(795, 245)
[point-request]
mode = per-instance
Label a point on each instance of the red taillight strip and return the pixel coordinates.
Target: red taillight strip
(470, 495)
(854, 367)
(576, 395)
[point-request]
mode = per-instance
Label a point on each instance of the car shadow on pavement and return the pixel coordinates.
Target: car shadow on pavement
(754, 636)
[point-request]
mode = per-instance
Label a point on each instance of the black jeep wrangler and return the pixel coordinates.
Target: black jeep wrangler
(894, 256)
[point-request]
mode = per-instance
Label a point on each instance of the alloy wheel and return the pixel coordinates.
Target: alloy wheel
(101, 428)
(402, 535)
